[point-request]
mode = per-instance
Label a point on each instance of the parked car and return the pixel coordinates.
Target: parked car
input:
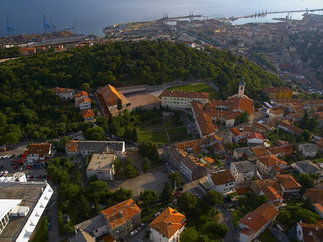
(39, 176)
(133, 233)
(28, 177)
(5, 173)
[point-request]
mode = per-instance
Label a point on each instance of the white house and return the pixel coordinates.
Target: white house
(191, 169)
(307, 150)
(221, 181)
(84, 103)
(167, 226)
(39, 152)
(242, 171)
(255, 139)
(64, 93)
(78, 96)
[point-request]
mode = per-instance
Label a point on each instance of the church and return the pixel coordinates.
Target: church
(206, 115)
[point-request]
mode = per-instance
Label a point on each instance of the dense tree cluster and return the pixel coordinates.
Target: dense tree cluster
(202, 217)
(81, 201)
(9, 52)
(41, 115)
(149, 150)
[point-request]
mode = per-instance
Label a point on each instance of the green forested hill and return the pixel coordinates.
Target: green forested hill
(39, 114)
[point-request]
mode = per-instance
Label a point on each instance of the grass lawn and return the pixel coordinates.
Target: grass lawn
(154, 135)
(266, 236)
(177, 134)
(200, 87)
(42, 232)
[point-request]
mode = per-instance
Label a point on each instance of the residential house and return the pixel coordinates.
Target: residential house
(175, 156)
(244, 153)
(289, 128)
(254, 223)
(276, 114)
(78, 96)
(306, 166)
(84, 103)
(182, 100)
(122, 218)
(86, 147)
(307, 150)
(259, 150)
(272, 194)
(101, 166)
(318, 208)
(283, 150)
(255, 139)
(88, 116)
(24, 51)
(270, 164)
(39, 152)
(290, 187)
(221, 181)
(236, 135)
(242, 171)
(309, 232)
(167, 226)
(218, 149)
(257, 186)
(91, 229)
(315, 194)
(64, 93)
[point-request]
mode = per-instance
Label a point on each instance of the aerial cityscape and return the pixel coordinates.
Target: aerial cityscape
(188, 128)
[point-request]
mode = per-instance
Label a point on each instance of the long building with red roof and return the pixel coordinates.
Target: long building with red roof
(207, 114)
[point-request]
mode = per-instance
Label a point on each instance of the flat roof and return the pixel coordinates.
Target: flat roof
(101, 162)
(29, 193)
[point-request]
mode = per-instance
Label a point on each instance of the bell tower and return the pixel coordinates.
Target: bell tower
(242, 86)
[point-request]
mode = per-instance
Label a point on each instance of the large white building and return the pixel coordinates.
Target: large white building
(22, 205)
(242, 171)
(182, 100)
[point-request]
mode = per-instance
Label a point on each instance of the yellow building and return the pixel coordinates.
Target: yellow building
(279, 92)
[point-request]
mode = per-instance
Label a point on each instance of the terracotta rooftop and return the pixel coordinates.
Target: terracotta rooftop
(80, 94)
(84, 100)
(71, 146)
(235, 132)
(287, 181)
(41, 149)
(111, 96)
(168, 222)
(221, 178)
(259, 150)
(62, 90)
(271, 160)
(255, 136)
(312, 232)
(87, 114)
(260, 217)
(204, 121)
(120, 213)
(271, 193)
(183, 94)
(286, 149)
(315, 194)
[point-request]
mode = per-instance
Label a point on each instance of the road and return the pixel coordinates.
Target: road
(53, 234)
(226, 216)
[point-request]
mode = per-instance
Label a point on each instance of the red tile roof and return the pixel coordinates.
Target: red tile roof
(312, 232)
(80, 94)
(221, 178)
(41, 149)
(84, 100)
(183, 94)
(271, 160)
(260, 217)
(255, 136)
(168, 222)
(120, 213)
(235, 132)
(287, 181)
(284, 149)
(87, 114)
(315, 194)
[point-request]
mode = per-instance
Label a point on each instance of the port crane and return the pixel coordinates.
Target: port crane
(45, 24)
(9, 27)
(52, 24)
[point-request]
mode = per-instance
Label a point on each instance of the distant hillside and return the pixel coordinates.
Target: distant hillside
(129, 63)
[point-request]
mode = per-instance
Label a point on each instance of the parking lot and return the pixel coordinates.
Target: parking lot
(8, 168)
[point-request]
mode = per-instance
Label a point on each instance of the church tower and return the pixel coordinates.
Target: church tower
(242, 86)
